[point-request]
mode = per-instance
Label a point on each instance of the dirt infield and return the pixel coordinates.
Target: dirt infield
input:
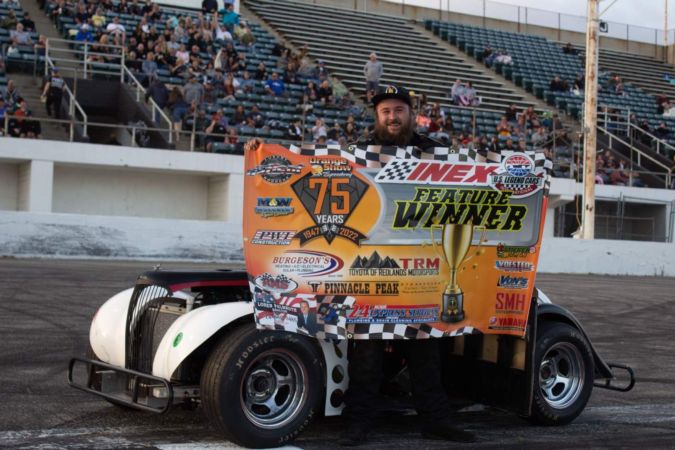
(46, 308)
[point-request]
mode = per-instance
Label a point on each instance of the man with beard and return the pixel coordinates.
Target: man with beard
(395, 121)
(394, 126)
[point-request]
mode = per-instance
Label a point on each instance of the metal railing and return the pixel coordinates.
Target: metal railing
(623, 123)
(638, 155)
(114, 65)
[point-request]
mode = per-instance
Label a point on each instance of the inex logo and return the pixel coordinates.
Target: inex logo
(329, 201)
(307, 263)
(275, 169)
(517, 176)
(279, 284)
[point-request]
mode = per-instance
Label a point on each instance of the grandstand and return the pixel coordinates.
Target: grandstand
(45, 184)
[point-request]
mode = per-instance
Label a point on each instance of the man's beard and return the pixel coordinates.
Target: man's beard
(400, 139)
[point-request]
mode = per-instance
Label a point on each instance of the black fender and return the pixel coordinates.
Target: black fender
(556, 313)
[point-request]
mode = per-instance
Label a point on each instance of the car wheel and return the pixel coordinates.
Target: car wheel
(262, 388)
(564, 374)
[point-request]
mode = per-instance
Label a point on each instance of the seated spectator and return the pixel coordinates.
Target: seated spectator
(503, 128)
(569, 50)
(619, 178)
(275, 86)
(539, 137)
(662, 132)
(246, 83)
(334, 134)
(239, 116)
(248, 39)
(556, 85)
(351, 133)
(531, 117)
(325, 93)
(115, 27)
(84, 34)
(27, 23)
(10, 21)
(423, 122)
(257, 117)
(98, 20)
(340, 94)
(232, 137)
(456, 91)
(485, 54)
(216, 130)
(294, 131)
(319, 130)
(12, 95)
(149, 69)
(468, 96)
(502, 57)
(19, 36)
(511, 114)
(322, 70)
(261, 72)
(510, 146)
(193, 92)
(441, 132)
(601, 175)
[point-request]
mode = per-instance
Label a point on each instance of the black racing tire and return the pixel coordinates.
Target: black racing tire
(261, 389)
(563, 378)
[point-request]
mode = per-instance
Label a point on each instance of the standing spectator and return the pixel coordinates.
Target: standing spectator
(229, 17)
(209, 6)
(193, 91)
(373, 71)
(160, 94)
(149, 69)
(53, 92)
(179, 108)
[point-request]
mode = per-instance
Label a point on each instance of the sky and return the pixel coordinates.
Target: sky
(646, 13)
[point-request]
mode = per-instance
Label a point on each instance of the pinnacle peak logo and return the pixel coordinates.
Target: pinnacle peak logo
(329, 201)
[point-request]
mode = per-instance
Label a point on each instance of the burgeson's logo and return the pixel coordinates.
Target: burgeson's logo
(307, 263)
(279, 284)
(275, 169)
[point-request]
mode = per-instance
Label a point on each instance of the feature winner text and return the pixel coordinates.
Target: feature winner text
(480, 207)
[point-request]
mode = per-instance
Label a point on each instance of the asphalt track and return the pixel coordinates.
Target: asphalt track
(46, 307)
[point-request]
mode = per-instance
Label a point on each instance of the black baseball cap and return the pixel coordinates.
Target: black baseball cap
(392, 91)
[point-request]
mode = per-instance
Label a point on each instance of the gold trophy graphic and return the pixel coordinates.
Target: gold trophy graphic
(455, 244)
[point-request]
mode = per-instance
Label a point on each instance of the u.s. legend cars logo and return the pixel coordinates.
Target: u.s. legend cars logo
(517, 176)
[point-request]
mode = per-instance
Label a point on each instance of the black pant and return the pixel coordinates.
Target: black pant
(365, 379)
(54, 102)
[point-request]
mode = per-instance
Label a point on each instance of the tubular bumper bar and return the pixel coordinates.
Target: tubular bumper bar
(607, 383)
(134, 381)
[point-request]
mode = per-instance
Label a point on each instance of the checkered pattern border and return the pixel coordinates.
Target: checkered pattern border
(375, 156)
(402, 331)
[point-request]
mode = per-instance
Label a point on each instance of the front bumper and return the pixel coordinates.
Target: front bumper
(121, 386)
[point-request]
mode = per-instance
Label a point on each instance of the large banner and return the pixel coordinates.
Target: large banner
(387, 243)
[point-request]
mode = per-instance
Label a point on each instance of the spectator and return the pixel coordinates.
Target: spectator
(325, 93)
(159, 93)
(503, 128)
(294, 131)
(502, 57)
(569, 50)
(98, 20)
(179, 108)
(340, 93)
(53, 93)
(539, 137)
(319, 130)
(556, 85)
(351, 133)
(373, 71)
(239, 116)
(261, 72)
(531, 118)
(601, 175)
(619, 178)
(485, 54)
(209, 6)
(275, 86)
(456, 91)
(334, 135)
(27, 23)
(468, 96)
(193, 91)
(511, 114)
(12, 94)
(116, 28)
(662, 132)
(9, 21)
(19, 36)
(216, 130)
(229, 17)
(256, 117)
(149, 69)
(509, 146)
(84, 34)
(222, 34)
(246, 84)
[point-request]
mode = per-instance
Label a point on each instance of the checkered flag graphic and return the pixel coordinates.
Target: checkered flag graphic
(396, 170)
(391, 331)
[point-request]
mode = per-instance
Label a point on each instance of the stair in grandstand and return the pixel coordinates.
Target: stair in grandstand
(345, 38)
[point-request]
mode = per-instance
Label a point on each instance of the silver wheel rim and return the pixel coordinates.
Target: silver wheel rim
(561, 375)
(273, 389)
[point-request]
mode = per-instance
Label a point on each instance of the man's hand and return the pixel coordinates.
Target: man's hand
(252, 144)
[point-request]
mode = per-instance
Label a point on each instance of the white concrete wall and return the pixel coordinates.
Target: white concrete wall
(120, 192)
